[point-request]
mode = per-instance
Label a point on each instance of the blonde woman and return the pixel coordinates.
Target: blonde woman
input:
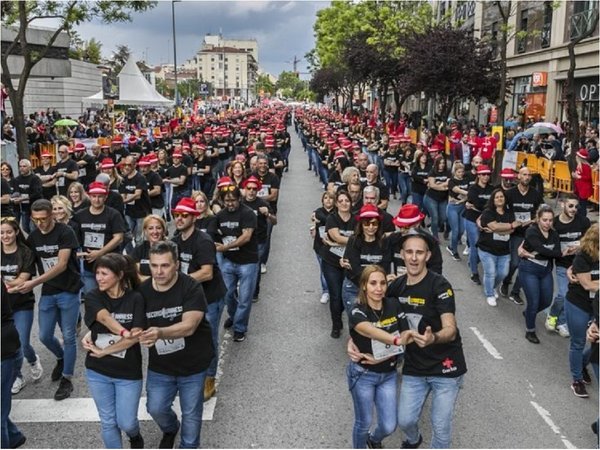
(155, 230)
(78, 197)
(62, 210)
(207, 220)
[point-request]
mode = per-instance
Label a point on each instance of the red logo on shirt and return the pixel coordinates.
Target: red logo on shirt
(447, 363)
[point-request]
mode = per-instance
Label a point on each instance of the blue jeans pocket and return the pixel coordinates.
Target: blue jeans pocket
(354, 371)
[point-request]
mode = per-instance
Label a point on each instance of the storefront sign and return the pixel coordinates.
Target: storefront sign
(539, 79)
(587, 89)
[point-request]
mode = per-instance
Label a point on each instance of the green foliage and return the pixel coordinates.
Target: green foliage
(163, 89)
(264, 84)
(118, 58)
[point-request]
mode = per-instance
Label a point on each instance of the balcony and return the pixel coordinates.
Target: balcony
(546, 35)
(581, 22)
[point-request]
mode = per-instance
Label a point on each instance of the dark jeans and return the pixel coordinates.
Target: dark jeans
(404, 184)
(538, 286)
(391, 180)
(334, 276)
(10, 433)
(579, 356)
(515, 242)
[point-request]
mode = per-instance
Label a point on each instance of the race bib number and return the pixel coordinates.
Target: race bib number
(228, 240)
(539, 262)
(208, 153)
(322, 233)
(501, 237)
(384, 351)
(222, 151)
(185, 267)
(105, 340)
(338, 250)
(93, 240)
(60, 182)
(523, 216)
(49, 263)
(264, 191)
(82, 172)
(24, 198)
(566, 245)
(167, 346)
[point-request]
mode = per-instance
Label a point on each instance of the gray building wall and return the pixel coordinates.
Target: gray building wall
(62, 94)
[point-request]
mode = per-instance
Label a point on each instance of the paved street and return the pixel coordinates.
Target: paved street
(285, 386)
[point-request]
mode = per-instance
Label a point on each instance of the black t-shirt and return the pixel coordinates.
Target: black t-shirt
(96, 230)
(153, 179)
(321, 215)
(223, 148)
(13, 264)
(495, 243)
(30, 188)
(569, 235)
(63, 183)
(6, 210)
(204, 164)
(141, 207)
(524, 206)
(439, 177)
(419, 178)
(261, 224)
(46, 248)
(461, 184)
(269, 181)
(230, 227)
(546, 248)
(478, 197)
(361, 253)
(391, 158)
(196, 251)
(87, 172)
(576, 294)
(390, 318)
(129, 312)
(332, 255)
(141, 255)
(47, 192)
(424, 303)
(209, 225)
(176, 172)
(181, 356)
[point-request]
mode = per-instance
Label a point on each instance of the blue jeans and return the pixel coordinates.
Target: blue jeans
(414, 392)
(417, 199)
(457, 224)
(334, 276)
(136, 228)
(23, 322)
(10, 433)
(61, 309)
(495, 269)
(472, 237)
(371, 389)
(240, 304)
(577, 321)
(349, 295)
(213, 315)
(117, 401)
(515, 243)
(558, 306)
(538, 286)
(162, 389)
(437, 212)
(89, 281)
(27, 224)
(324, 289)
(391, 180)
(404, 184)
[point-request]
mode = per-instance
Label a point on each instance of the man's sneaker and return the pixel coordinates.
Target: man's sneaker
(466, 251)
(516, 298)
(504, 289)
(239, 337)
(491, 301)
(168, 439)
(532, 337)
(373, 444)
(58, 369)
(228, 323)
(449, 250)
(563, 330)
(587, 379)
(579, 389)
(550, 323)
(136, 441)
(496, 295)
(406, 444)
(475, 278)
(255, 299)
(36, 369)
(324, 298)
(23, 439)
(64, 389)
(263, 268)
(18, 385)
(595, 427)
(455, 256)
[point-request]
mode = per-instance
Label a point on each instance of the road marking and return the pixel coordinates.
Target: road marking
(81, 410)
(544, 414)
(486, 344)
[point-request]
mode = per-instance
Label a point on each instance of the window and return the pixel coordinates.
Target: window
(581, 19)
(494, 39)
(547, 26)
(522, 42)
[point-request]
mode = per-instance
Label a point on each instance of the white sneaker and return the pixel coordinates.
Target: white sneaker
(324, 298)
(36, 369)
(263, 268)
(496, 295)
(491, 301)
(18, 385)
(466, 251)
(563, 330)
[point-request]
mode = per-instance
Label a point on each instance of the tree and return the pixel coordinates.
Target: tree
(325, 81)
(89, 51)
(19, 15)
(189, 87)
(163, 89)
(264, 84)
(119, 58)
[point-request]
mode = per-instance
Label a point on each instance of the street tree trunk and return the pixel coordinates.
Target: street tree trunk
(501, 101)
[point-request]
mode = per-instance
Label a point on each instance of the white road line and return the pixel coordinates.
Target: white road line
(81, 410)
(486, 344)
(544, 414)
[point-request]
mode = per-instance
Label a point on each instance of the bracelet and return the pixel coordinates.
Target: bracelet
(122, 332)
(396, 341)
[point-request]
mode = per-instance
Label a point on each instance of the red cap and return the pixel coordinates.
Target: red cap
(80, 147)
(117, 140)
(482, 169)
(132, 140)
(97, 188)
(152, 158)
(177, 154)
(508, 173)
(254, 180)
(224, 182)
(369, 212)
(144, 161)
(583, 153)
(107, 163)
(45, 154)
(186, 205)
(408, 215)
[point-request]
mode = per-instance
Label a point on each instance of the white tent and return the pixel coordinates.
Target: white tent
(134, 89)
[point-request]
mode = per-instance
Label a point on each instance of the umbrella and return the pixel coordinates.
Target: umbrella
(515, 141)
(539, 130)
(556, 128)
(65, 123)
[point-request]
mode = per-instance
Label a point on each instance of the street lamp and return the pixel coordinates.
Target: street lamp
(175, 50)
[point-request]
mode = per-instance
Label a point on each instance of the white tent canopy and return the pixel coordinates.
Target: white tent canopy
(134, 89)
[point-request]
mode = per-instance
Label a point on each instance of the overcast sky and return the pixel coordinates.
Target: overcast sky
(282, 28)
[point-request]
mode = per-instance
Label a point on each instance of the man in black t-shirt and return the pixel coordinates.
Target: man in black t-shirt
(65, 170)
(155, 186)
(373, 179)
(29, 187)
(180, 346)
(176, 179)
(269, 192)
(238, 258)
(54, 245)
(134, 191)
(86, 164)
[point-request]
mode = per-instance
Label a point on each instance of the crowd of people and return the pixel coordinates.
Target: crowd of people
(94, 227)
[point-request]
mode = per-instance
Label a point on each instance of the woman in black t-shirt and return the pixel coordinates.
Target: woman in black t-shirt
(155, 230)
(317, 231)
(579, 309)
(406, 164)
(420, 172)
(380, 330)
(391, 165)
(78, 197)
(497, 223)
(436, 196)
(206, 220)
(115, 315)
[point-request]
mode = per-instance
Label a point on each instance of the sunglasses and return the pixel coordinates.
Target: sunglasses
(248, 188)
(371, 223)
(126, 165)
(182, 215)
(229, 188)
(8, 219)
(40, 219)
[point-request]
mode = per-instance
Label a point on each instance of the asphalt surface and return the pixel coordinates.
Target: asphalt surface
(285, 386)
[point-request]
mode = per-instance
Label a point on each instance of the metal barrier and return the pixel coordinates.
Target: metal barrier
(595, 183)
(561, 178)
